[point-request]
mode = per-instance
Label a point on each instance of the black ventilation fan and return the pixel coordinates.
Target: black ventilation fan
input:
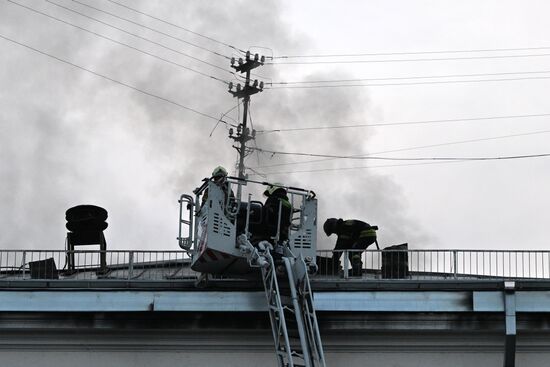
(86, 224)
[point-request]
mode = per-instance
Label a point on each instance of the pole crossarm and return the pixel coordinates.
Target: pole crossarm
(247, 91)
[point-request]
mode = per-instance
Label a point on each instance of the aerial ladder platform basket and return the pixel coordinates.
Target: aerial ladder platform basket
(225, 236)
(209, 228)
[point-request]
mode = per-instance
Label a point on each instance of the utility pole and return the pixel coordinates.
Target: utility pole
(243, 134)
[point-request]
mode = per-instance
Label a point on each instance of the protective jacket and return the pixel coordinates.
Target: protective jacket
(271, 215)
(354, 234)
(226, 194)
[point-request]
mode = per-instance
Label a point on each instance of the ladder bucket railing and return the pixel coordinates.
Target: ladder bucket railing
(186, 242)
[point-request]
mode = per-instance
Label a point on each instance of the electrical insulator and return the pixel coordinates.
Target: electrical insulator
(230, 131)
(239, 87)
(255, 84)
(256, 57)
(261, 85)
(248, 55)
(262, 59)
(247, 131)
(230, 85)
(239, 129)
(241, 61)
(254, 133)
(232, 61)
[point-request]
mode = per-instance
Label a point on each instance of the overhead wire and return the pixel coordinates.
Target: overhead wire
(178, 26)
(412, 52)
(114, 80)
(364, 167)
(254, 137)
(239, 77)
(357, 167)
(407, 83)
(221, 118)
(256, 172)
(417, 147)
(403, 123)
(407, 77)
(205, 115)
(255, 147)
(370, 157)
(120, 43)
(405, 60)
(140, 37)
(152, 29)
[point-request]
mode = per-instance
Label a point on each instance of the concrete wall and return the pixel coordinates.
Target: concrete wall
(244, 339)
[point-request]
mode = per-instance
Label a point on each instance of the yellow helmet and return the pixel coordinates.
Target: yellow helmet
(219, 172)
(272, 188)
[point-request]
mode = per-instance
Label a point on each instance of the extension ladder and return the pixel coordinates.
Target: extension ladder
(290, 305)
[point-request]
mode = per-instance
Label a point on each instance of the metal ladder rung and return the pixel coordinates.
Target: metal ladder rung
(292, 314)
(286, 308)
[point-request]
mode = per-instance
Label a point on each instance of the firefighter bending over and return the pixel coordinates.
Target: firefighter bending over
(352, 234)
(277, 198)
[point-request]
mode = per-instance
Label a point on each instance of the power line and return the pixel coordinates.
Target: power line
(140, 37)
(418, 147)
(114, 80)
(403, 60)
(407, 77)
(238, 77)
(359, 167)
(417, 122)
(154, 30)
(253, 140)
(411, 83)
(255, 172)
(177, 26)
(221, 118)
(120, 43)
(404, 158)
(412, 52)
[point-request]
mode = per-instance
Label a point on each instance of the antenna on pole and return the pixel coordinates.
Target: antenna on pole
(243, 133)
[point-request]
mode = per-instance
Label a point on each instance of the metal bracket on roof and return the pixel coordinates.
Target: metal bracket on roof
(510, 320)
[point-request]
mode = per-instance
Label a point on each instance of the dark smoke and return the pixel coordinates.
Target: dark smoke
(68, 137)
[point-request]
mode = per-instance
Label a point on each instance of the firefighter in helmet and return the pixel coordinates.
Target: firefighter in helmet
(219, 177)
(277, 199)
(352, 234)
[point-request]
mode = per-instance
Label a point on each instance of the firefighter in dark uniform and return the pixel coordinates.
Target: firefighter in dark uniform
(277, 198)
(352, 234)
(219, 177)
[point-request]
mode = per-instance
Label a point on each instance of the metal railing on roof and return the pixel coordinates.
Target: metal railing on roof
(139, 265)
(107, 265)
(436, 264)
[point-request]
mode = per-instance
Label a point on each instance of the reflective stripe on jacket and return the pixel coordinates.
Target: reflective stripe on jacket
(367, 233)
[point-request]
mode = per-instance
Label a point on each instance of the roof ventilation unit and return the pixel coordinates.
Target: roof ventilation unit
(86, 224)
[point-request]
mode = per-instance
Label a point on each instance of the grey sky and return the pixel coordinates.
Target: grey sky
(70, 137)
